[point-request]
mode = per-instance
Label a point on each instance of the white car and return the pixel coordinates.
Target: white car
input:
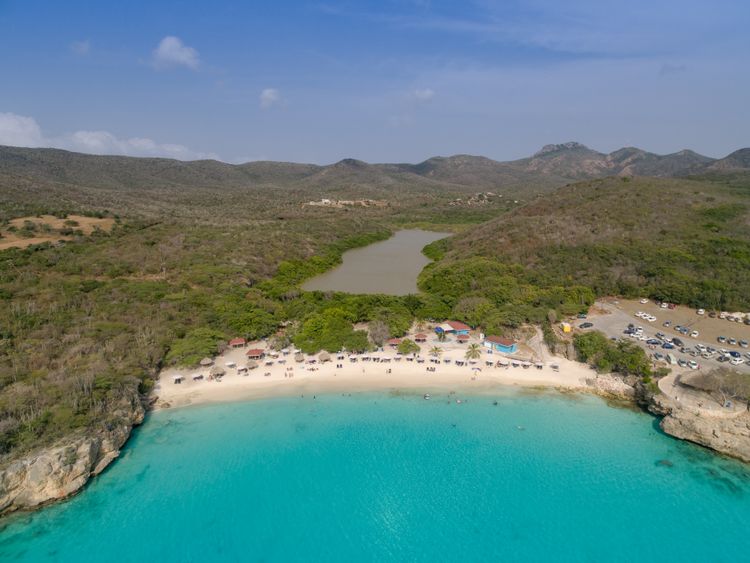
(650, 318)
(640, 314)
(644, 301)
(694, 334)
(692, 364)
(664, 305)
(736, 361)
(701, 311)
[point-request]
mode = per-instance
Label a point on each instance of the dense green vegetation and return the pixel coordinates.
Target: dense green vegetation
(202, 252)
(684, 241)
(607, 356)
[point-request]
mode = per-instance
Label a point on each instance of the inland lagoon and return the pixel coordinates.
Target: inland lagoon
(390, 267)
(519, 476)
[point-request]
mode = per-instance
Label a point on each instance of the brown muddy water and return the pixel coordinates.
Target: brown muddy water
(390, 267)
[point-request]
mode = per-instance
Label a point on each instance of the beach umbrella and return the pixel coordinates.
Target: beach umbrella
(324, 357)
(298, 357)
(207, 362)
(217, 371)
(252, 364)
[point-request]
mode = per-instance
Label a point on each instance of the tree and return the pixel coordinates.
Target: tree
(379, 332)
(473, 352)
(330, 330)
(436, 351)
(408, 346)
(441, 336)
(473, 310)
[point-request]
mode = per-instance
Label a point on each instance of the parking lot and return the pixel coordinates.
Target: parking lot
(612, 317)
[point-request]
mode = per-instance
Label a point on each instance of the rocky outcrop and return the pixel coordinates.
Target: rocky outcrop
(729, 435)
(58, 472)
(612, 386)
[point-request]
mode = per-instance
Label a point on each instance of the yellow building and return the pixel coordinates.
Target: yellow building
(566, 327)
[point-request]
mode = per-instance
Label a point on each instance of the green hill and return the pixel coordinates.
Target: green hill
(681, 240)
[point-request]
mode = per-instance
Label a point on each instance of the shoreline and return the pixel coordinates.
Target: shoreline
(284, 380)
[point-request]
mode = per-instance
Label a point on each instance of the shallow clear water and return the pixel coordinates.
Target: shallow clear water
(390, 266)
(394, 477)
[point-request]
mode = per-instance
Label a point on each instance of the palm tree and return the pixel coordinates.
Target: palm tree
(436, 351)
(441, 336)
(473, 352)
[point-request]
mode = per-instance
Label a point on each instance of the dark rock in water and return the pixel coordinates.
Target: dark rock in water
(495, 403)
(664, 463)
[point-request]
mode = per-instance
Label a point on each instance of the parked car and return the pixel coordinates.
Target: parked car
(653, 342)
(694, 334)
(737, 361)
(712, 314)
(701, 311)
(644, 301)
(734, 354)
(666, 324)
(722, 339)
(732, 342)
(667, 346)
(585, 325)
(581, 315)
(682, 363)
(744, 343)
(677, 342)
(658, 356)
(692, 364)
(664, 305)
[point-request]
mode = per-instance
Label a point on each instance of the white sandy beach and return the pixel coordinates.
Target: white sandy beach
(291, 378)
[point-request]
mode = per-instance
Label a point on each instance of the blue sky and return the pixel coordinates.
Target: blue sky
(388, 81)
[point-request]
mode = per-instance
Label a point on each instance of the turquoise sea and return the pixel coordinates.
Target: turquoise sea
(390, 477)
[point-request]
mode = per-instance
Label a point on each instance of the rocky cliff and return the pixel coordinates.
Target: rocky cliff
(726, 435)
(58, 472)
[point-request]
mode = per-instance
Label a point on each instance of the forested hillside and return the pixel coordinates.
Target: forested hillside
(681, 240)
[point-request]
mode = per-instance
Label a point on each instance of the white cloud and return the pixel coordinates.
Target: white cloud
(22, 131)
(423, 95)
(19, 131)
(269, 97)
(81, 47)
(172, 52)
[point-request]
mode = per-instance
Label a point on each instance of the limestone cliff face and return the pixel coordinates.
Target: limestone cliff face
(613, 386)
(60, 471)
(726, 435)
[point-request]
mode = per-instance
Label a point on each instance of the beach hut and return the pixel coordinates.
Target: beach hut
(205, 362)
(252, 364)
(499, 344)
(237, 343)
(177, 379)
(393, 342)
(453, 327)
(462, 338)
(299, 357)
(420, 338)
(217, 371)
(255, 354)
(324, 357)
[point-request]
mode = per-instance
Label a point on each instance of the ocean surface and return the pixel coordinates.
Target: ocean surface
(392, 477)
(390, 267)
